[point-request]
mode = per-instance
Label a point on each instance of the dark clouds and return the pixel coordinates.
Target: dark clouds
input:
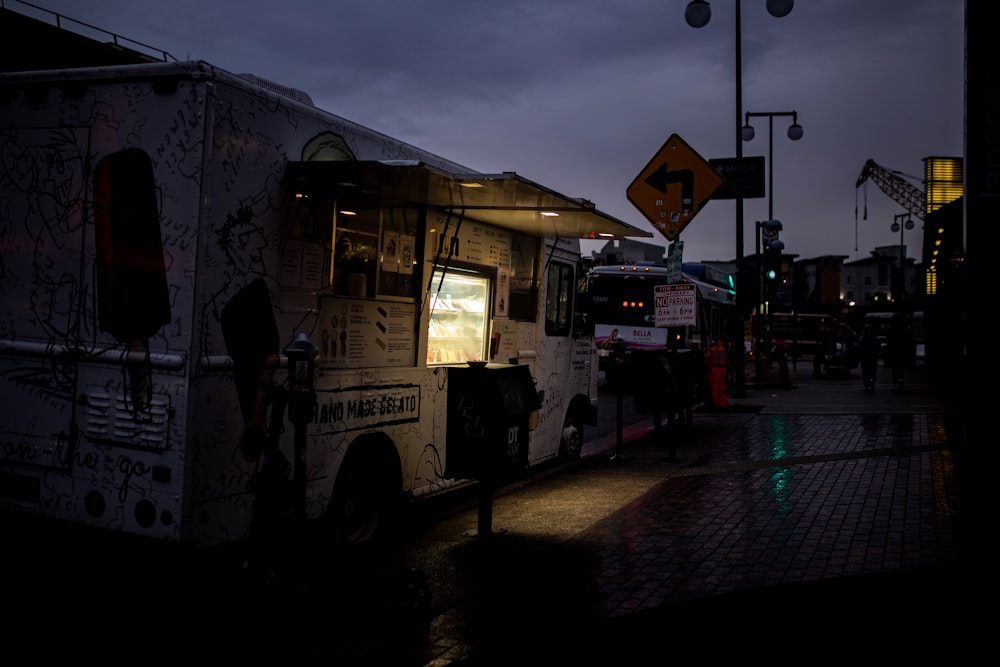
(579, 94)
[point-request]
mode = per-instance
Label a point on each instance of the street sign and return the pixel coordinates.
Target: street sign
(675, 305)
(673, 187)
(744, 177)
(675, 262)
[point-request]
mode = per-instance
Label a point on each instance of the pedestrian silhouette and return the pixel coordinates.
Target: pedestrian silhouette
(868, 349)
(897, 348)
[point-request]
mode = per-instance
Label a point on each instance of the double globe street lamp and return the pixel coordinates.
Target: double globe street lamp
(899, 289)
(770, 227)
(697, 14)
(794, 133)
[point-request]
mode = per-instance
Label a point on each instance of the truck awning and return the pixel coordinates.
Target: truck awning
(505, 200)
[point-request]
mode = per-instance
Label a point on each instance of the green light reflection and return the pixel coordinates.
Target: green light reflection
(781, 475)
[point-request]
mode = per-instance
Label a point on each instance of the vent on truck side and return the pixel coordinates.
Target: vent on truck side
(287, 91)
(110, 419)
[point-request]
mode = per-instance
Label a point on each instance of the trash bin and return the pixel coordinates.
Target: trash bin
(488, 410)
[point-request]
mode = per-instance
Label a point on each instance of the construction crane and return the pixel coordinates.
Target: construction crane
(891, 182)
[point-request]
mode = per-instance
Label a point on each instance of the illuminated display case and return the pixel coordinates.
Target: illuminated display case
(458, 329)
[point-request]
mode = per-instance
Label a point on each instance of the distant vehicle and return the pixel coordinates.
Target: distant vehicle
(622, 308)
(806, 334)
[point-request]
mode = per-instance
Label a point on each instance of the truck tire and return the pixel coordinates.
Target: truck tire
(572, 437)
(367, 496)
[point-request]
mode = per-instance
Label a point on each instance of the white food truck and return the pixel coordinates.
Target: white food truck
(172, 235)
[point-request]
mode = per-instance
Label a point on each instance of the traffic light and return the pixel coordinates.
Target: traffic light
(772, 271)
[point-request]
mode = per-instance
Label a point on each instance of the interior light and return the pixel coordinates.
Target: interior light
(550, 214)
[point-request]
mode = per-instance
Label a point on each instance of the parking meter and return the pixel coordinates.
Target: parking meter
(618, 354)
(301, 355)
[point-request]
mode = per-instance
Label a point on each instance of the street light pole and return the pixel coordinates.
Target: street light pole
(747, 134)
(897, 227)
(794, 133)
(770, 225)
(697, 14)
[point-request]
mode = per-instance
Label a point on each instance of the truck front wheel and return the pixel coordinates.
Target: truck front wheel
(572, 438)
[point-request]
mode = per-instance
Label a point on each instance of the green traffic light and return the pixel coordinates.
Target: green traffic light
(770, 275)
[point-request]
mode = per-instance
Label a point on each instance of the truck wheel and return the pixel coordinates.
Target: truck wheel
(572, 439)
(367, 494)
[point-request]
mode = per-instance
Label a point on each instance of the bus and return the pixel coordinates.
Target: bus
(621, 307)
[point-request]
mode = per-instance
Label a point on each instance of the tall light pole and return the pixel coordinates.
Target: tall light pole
(900, 282)
(770, 225)
(794, 133)
(697, 14)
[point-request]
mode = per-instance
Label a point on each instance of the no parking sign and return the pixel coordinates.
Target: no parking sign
(676, 305)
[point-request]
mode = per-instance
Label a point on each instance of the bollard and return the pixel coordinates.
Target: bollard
(618, 365)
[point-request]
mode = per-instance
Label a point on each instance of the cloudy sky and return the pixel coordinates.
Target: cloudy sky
(578, 95)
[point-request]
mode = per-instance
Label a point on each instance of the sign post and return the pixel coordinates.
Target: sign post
(675, 262)
(676, 306)
(673, 187)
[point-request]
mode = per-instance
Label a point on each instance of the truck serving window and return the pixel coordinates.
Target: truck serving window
(360, 248)
(560, 290)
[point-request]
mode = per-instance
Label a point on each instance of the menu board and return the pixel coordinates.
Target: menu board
(301, 265)
(361, 333)
(483, 244)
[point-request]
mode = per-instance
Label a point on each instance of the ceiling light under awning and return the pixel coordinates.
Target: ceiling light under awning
(504, 200)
